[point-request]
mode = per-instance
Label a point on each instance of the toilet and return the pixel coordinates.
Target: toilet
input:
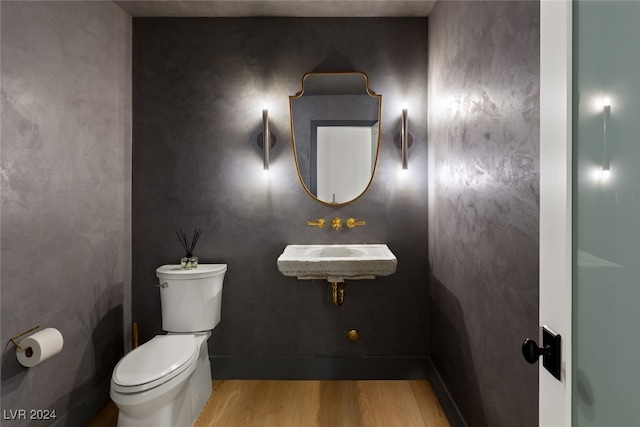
(167, 381)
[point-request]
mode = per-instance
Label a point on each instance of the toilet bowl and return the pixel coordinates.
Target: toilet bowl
(167, 381)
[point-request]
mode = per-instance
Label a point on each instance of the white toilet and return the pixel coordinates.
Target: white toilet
(167, 381)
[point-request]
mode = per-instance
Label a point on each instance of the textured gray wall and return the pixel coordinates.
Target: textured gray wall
(483, 205)
(66, 187)
(198, 89)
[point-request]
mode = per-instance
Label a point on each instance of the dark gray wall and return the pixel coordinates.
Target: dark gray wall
(199, 86)
(483, 206)
(66, 212)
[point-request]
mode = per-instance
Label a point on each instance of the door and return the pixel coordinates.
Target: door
(345, 152)
(606, 214)
(590, 210)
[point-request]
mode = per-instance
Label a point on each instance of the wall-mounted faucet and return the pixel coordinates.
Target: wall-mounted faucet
(336, 223)
(320, 223)
(351, 222)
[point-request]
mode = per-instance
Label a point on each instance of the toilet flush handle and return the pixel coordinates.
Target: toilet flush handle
(162, 285)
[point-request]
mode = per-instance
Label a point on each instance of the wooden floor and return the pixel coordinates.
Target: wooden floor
(247, 403)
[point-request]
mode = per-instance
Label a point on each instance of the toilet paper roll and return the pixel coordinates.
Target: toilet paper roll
(43, 344)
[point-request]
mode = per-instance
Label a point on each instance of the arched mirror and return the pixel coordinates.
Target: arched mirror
(335, 125)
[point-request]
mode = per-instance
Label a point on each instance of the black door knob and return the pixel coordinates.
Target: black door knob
(551, 351)
(531, 351)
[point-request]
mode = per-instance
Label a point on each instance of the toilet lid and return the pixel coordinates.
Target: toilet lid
(156, 361)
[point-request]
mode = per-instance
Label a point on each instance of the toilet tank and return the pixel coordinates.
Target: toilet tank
(191, 300)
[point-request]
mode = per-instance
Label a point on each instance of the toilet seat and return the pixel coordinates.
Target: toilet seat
(154, 363)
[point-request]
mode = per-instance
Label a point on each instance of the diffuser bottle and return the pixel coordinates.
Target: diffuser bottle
(189, 261)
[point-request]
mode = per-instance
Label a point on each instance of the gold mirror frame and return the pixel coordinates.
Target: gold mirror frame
(293, 138)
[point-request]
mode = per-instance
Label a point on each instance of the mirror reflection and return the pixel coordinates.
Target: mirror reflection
(335, 121)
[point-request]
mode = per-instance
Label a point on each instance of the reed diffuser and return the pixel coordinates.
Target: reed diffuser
(189, 261)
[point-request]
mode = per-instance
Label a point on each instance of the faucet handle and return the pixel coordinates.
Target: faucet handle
(320, 223)
(351, 222)
(336, 223)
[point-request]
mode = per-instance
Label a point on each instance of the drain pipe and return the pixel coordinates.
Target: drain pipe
(337, 293)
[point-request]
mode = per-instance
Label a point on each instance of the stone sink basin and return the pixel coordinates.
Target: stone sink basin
(337, 263)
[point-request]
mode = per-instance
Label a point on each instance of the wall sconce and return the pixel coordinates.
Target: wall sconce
(404, 140)
(605, 139)
(266, 139)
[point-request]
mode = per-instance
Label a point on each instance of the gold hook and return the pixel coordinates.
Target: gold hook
(13, 340)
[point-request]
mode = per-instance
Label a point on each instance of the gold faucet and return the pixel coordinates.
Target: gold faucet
(351, 222)
(336, 223)
(320, 223)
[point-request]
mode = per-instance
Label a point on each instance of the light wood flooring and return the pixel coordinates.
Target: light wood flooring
(267, 403)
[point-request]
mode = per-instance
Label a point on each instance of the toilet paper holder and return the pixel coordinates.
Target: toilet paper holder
(13, 340)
